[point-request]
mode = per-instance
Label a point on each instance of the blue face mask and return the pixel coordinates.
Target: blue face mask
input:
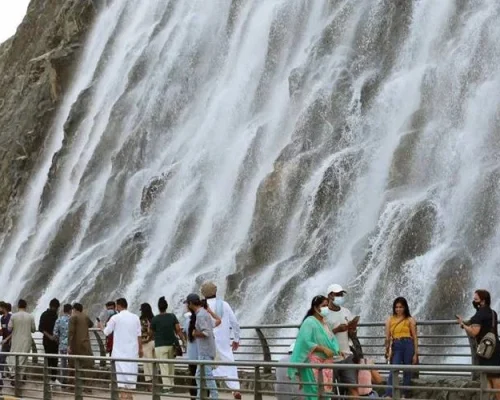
(338, 301)
(110, 313)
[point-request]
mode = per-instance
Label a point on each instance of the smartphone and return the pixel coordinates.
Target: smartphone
(98, 319)
(204, 303)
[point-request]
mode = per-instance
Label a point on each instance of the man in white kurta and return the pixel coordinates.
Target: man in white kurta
(22, 326)
(126, 329)
(225, 346)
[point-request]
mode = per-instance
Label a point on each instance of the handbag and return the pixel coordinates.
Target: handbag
(487, 345)
(178, 348)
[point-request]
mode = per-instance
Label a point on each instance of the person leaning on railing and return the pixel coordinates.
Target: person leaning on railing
(483, 326)
(401, 341)
(367, 377)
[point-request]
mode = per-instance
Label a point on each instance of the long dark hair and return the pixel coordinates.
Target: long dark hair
(192, 324)
(315, 303)
(404, 303)
(146, 312)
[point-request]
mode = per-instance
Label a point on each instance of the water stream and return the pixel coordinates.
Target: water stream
(275, 146)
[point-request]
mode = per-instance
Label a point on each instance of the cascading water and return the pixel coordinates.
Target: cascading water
(275, 146)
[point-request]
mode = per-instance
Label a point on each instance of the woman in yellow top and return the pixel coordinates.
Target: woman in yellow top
(401, 341)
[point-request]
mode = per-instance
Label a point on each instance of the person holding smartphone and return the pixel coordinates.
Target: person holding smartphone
(341, 322)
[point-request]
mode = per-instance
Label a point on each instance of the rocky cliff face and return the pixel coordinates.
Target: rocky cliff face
(35, 70)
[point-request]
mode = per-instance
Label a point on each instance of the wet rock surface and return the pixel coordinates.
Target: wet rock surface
(36, 66)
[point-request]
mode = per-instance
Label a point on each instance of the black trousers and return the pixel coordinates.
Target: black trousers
(51, 347)
(192, 371)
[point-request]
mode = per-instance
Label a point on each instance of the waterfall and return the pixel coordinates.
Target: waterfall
(274, 146)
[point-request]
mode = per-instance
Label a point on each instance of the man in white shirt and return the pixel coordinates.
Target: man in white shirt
(126, 330)
(222, 334)
(22, 326)
(340, 321)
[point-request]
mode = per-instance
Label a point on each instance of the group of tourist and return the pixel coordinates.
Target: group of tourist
(61, 334)
(327, 335)
(208, 327)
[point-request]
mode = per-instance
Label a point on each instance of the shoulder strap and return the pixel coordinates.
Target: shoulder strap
(493, 320)
(395, 326)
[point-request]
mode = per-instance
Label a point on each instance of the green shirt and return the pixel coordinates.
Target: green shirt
(163, 327)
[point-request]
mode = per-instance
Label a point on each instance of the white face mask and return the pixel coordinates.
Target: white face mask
(338, 301)
(187, 315)
(323, 311)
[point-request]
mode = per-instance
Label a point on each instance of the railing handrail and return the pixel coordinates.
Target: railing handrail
(369, 324)
(182, 361)
(272, 345)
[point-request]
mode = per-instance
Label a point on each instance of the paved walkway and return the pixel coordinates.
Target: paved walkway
(35, 392)
(104, 396)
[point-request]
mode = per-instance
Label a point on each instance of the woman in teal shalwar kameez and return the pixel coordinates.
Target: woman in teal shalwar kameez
(315, 344)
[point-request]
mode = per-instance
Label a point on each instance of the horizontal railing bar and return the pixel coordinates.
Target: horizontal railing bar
(388, 367)
(419, 345)
(382, 337)
(360, 325)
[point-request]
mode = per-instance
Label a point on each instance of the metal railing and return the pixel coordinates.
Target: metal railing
(100, 378)
(439, 341)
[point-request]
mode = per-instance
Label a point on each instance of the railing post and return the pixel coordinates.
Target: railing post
(102, 347)
(78, 381)
(203, 383)
(265, 349)
(257, 390)
(155, 389)
(114, 382)
(17, 376)
(483, 385)
(34, 350)
(321, 386)
(473, 355)
(47, 394)
(396, 391)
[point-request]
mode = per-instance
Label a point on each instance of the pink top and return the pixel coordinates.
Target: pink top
(365, 379)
